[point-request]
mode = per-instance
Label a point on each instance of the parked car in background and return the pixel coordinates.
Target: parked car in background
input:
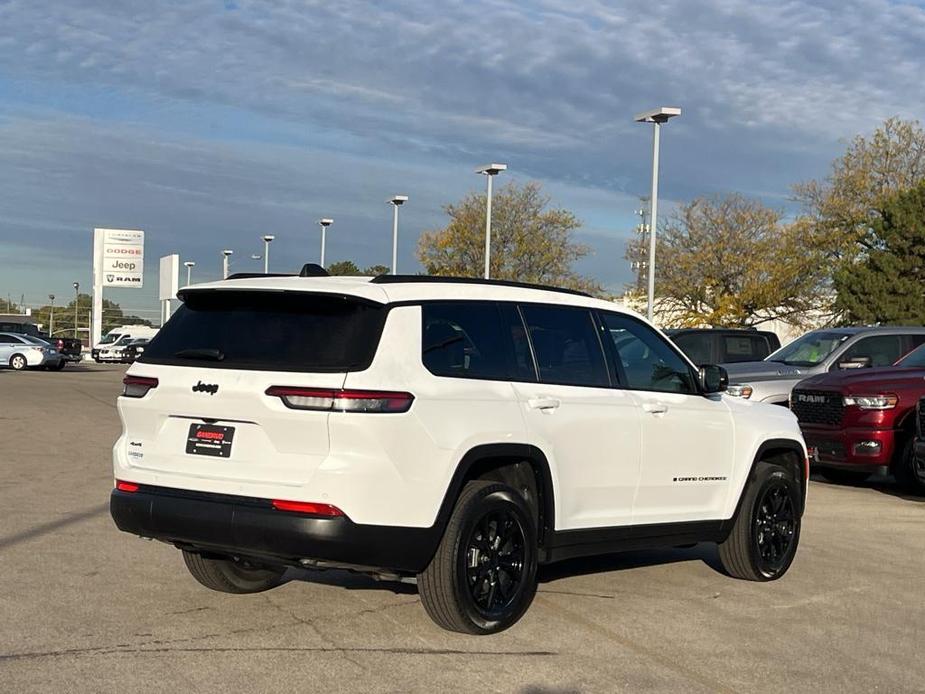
(113, 353)
(857, 423)
(133, 350)
(724, 345)
(819, 352)
(133, 332)
(69, 347)
(18, 352)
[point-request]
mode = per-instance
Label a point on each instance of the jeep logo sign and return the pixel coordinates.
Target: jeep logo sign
(210, 388)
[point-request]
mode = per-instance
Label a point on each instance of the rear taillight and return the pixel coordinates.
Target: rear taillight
(137, 386)
(327, 400)
(126, 486)
(307, 507)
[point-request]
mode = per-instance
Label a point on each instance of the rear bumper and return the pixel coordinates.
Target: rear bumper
(250, 527)
(850, 448)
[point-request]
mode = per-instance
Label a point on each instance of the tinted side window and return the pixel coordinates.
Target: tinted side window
(466, 339)
(697, 346)
(744, 348)
(566, 345)
(646, 360)
(883, 350)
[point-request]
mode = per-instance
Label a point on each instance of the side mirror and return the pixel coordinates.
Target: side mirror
(713, 378)
(855, 363)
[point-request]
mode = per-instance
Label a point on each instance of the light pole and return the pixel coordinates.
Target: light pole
(396, 202)
(189, 264)
(324, 223)
(656, 116)
(266, 252)
(489, 171)
(51, 318)
(76, 301)
(225, 254)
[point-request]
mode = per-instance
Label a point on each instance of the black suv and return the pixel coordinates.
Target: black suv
(724, 345)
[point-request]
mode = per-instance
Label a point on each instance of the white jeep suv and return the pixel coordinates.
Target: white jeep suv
(460, 431)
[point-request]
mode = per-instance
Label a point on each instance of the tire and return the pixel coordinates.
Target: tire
(473, 599)
(909, 472)
(839, 476)
(59, 366)
(18, 362)
(766, 532)
(228, 576)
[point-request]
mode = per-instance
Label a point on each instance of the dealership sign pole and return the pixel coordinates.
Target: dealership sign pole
(118, 261)
(169, 283)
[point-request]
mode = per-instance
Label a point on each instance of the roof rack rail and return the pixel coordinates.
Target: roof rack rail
(254, 275)
(407, 279)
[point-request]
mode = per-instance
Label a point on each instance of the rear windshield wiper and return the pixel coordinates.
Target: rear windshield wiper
(208, 353)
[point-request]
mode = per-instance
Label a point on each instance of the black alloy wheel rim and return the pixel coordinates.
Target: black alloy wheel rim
(918, 467)
(495, 561)
(775, 526)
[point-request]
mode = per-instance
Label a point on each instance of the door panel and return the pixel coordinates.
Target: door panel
(590, 430)
(592, 436)
(687, 438)
(686, 457)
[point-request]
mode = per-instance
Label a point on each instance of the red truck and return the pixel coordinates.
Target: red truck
(858, 422)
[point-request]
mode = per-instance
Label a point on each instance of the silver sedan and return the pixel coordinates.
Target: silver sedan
(20, 351)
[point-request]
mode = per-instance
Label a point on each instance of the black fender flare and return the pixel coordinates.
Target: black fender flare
(789, 445)
(519, 451)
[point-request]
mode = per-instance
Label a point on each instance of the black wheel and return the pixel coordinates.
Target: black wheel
(482, 578)
(228, 576)
(839, 476)
(909, 471)
(764, 538)
(59, 366)
(18, 362)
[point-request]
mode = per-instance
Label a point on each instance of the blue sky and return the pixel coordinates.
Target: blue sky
(210, 122)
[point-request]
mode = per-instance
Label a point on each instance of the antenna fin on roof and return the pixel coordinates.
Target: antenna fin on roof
(313, 270)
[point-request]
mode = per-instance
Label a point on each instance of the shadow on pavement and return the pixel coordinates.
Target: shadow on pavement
(884, 485)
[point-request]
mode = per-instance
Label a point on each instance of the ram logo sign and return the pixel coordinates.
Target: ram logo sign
(816, 399)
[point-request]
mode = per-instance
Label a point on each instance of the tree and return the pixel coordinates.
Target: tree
(343, 267)
(730, 261)
(529, 242)
(348, 267)
(886, 283)
(64, 316)
(841, 209)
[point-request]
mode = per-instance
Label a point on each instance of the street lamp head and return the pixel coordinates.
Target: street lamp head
(657, 115)
(398, 199)
(227, 252)
(268, 237)
(326, 222)
(491, 169)
(51, 297)
(190, 263)
(256, 256)
(76, 286)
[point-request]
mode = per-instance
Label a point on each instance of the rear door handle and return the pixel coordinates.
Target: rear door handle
(543, 403)
(655, 407)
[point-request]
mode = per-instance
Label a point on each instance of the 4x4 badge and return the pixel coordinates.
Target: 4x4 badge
(210, 388)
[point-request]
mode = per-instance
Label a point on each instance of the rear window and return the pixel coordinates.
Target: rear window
(271, 331)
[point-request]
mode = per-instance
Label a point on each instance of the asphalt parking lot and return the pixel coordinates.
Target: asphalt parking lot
(85, 608)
